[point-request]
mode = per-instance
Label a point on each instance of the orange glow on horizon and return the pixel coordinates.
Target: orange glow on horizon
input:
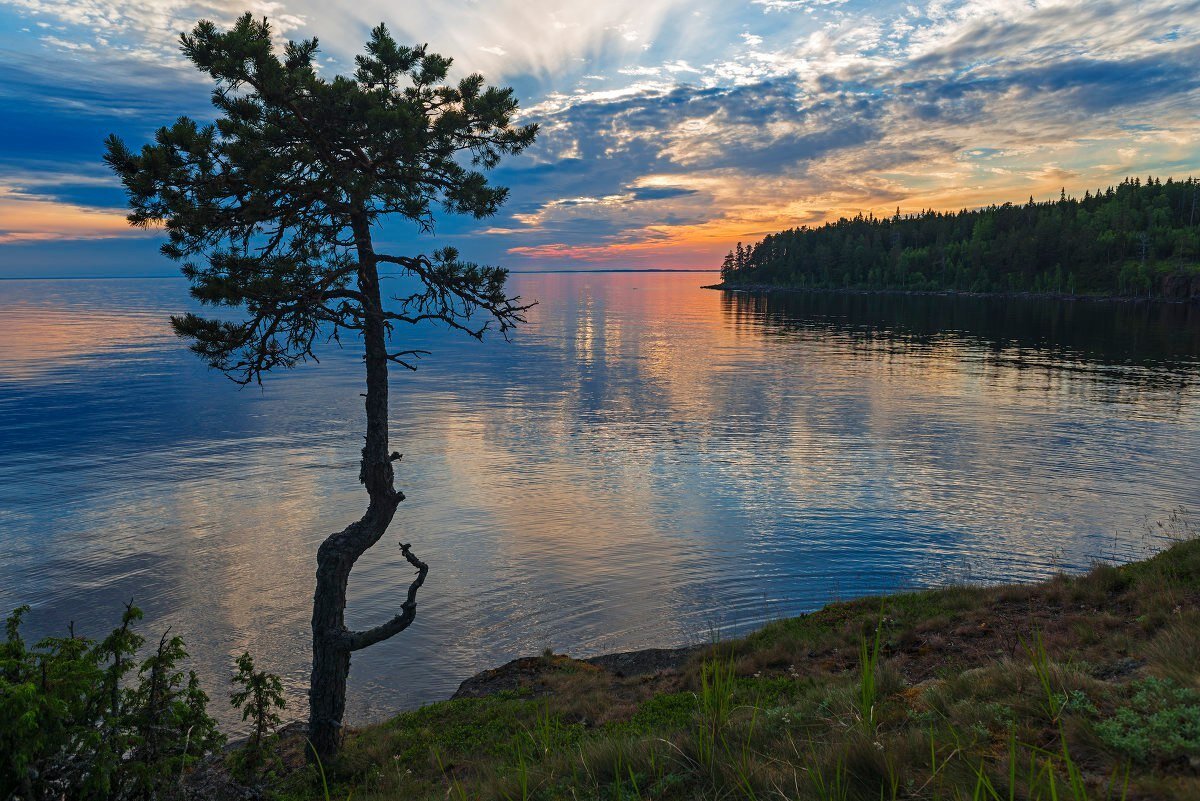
(25, 218)
(704, 244)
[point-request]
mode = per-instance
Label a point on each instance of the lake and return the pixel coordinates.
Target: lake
(647, 463)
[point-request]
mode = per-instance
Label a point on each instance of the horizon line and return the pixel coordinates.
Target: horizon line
(511, 272)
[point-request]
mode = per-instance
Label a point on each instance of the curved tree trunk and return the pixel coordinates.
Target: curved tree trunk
(332, 641)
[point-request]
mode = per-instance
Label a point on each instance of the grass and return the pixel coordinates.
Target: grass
(1080, 688)
(868, 688)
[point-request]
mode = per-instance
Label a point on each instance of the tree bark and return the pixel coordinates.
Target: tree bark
(332, 641)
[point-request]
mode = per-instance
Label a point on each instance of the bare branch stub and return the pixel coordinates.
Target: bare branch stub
(398, 357)
(357, 640)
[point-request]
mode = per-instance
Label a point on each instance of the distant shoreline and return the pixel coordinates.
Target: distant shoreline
(511, 273)
(619, 270)
(771, 288)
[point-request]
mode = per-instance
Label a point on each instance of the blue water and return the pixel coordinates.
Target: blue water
(646, 463)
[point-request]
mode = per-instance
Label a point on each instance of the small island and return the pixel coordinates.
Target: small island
(1138, 239)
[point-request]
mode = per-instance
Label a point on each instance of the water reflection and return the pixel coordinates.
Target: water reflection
(1126, 343)
(647, 461)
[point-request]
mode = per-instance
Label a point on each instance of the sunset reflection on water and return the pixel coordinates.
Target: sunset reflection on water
(645, 463)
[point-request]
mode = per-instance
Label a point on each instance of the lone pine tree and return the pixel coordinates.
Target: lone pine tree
(272, 211)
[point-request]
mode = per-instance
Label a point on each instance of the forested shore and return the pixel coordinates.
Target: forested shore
(1137, 239)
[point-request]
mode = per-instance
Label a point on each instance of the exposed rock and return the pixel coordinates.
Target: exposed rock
(646, 661)
(526, 671)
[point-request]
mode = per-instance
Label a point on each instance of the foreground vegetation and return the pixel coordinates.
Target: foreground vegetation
(108, 720)
(1085, 687)
(82, 719)
(1135, 239)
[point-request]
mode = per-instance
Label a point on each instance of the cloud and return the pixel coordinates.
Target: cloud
(45, 202)
(28, 218)
(796, 5)
(855, 119)
(143, 29)
(538, 40)
(661, 192)
(671, 129)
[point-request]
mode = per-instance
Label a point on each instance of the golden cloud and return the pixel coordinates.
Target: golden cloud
(30, 218)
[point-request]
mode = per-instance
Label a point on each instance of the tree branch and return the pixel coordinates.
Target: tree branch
(455, 292)
(398, 357)
(357, 640)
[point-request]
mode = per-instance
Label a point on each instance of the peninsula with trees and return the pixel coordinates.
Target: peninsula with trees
(1139, 239)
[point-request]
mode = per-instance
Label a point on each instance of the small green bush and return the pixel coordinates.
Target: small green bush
(1160, 723)
(258, 696)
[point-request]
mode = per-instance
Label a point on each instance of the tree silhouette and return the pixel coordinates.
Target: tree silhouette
(272, 208)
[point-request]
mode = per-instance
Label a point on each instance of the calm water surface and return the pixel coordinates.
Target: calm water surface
(645, 463)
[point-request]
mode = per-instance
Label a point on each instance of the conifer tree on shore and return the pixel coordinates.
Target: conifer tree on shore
(273, 211)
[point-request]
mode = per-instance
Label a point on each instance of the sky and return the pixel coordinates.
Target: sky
(669, 130)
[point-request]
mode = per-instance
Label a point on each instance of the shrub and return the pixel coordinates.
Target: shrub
(84, 720)
(260, 693)
(1161, 722)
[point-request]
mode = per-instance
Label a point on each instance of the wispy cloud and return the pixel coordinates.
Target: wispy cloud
(26, 218)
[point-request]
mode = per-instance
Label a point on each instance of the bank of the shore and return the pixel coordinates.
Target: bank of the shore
(955, 293)
(1083, 687)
